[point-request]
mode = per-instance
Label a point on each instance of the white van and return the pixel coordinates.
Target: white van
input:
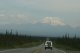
(48, 45)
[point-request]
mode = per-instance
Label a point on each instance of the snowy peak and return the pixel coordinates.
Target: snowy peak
(52, 21)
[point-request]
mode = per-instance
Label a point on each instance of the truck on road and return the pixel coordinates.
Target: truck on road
(48, 45)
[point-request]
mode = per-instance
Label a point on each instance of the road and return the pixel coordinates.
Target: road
(38, 49)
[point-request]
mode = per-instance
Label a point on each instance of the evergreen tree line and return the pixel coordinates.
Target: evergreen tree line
(67, 41)
(10, 40)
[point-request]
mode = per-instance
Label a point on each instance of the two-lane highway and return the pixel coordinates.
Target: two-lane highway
(20, 50)
(41, 49)
(38, 49)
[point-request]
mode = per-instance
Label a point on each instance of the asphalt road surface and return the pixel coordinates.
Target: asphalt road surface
(38, 49)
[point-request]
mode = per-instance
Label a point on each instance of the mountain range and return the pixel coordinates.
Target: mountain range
(42, 29)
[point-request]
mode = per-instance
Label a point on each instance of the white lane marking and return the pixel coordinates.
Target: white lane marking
(12, 49)
(8, 50)
(15, 49)
(60, 50)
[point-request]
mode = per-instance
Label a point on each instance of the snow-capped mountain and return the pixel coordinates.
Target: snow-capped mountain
(48, 26)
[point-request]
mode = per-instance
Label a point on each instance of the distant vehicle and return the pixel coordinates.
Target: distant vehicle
(48, 45)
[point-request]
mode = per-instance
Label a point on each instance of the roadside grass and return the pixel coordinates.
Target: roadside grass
(72, 44)
(24, 45)
(65, 47)
(27, 45)
(10, 41)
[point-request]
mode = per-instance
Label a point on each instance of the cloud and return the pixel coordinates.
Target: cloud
(1, 15)
(53, 5)
(25, 2)
(20, 18)
(74, 22)
(16, 18)
(24, 18)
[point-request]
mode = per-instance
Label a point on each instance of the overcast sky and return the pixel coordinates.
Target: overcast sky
(66, 12)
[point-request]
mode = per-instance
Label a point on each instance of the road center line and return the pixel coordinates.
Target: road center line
(61, 51)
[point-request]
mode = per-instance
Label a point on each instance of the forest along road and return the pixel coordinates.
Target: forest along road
(38, 49)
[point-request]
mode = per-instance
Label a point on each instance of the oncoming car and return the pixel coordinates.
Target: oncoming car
(48, 45)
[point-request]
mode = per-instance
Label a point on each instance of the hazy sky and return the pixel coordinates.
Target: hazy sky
(58, 12)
